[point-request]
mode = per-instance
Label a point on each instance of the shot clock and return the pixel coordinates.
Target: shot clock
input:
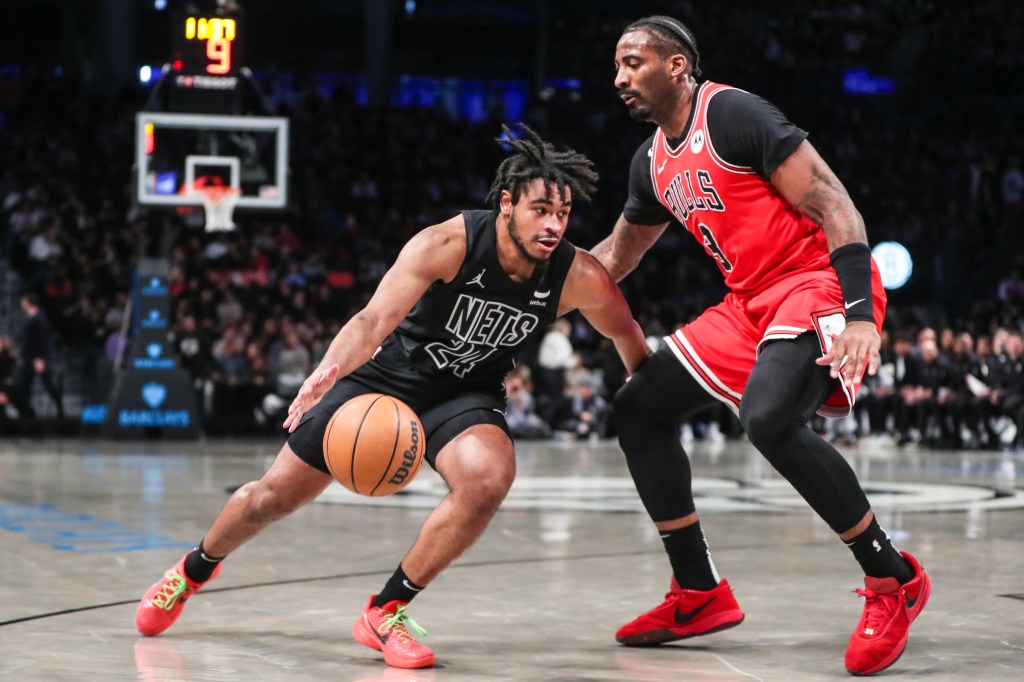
(206, 60)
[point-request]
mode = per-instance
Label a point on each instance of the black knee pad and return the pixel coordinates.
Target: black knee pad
(661, 392)
(766, 422)
(630, 402)
(767, 419)
(783, 391)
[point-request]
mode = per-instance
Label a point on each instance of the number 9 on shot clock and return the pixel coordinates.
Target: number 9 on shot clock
(206, 59)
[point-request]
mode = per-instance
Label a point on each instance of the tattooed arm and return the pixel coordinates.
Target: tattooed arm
(810, 185)
(622, 250)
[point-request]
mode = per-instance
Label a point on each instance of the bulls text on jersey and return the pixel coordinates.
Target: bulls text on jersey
(681, 199)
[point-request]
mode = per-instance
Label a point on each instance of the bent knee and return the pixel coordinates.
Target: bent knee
(265, 502)
(764, 424)
(484, 488)
(633, 404)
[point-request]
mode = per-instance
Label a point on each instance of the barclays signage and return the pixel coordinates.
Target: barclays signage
(154, 286)
(154, 320)
(152, 359)
(152, 396)
(153, 402)
(151, 321)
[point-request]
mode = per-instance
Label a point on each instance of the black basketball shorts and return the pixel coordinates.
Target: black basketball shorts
(444, 411)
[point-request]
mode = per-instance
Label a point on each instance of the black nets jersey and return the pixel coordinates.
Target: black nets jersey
(469, 332)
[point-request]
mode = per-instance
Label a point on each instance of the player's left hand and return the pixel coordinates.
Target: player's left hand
(858, 345)
(313, 388)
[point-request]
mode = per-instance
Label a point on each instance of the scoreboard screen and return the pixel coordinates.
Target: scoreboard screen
(206, 60)
(207, 46)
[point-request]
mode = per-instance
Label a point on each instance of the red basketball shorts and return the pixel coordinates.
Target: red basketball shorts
(720, 347)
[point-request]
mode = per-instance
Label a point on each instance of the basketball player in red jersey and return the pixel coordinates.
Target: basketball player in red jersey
(440, 333)
(793, 337)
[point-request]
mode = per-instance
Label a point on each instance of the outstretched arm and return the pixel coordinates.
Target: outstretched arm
(810, 185)
(434, 254)
(622, 250)
(589, 288)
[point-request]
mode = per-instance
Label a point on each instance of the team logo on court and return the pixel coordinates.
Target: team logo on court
(479, 328)
(595, 493)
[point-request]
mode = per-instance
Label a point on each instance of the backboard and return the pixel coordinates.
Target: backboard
(176, 154)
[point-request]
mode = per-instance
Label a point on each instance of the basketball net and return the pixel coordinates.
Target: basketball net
(219, 203)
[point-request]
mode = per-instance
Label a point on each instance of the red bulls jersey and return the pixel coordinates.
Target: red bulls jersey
(744, 223)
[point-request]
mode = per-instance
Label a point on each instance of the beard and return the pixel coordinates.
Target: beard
(639, 114)
(517, 239)
(637, 111)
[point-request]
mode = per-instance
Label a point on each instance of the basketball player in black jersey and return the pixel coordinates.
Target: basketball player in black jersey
(440, 333)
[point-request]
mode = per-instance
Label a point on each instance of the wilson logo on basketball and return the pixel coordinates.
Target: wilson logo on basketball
(409, 457)
(363, 442)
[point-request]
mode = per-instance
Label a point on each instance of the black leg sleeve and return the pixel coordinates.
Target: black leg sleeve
(785, 389)
(648, 411)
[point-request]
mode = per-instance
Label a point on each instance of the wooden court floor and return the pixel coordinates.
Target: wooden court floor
(87, 526)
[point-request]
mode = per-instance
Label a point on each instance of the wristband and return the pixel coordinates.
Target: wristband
(852, 263)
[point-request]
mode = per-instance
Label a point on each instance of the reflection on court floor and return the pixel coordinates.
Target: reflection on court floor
(85, 528)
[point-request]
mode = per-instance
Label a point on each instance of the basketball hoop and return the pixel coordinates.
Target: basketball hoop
(219, 204)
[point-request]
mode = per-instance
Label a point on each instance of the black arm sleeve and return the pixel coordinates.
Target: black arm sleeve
(748, 131)
(642, 205)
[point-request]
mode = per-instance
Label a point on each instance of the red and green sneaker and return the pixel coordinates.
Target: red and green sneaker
(163, 602)
(384, 628)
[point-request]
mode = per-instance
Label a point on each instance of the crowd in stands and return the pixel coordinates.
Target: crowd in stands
(254, 310)
(944, 390)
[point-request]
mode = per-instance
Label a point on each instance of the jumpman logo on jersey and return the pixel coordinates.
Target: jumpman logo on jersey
(476, 280)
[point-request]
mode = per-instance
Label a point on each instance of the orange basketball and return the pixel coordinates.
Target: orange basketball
(374, 444)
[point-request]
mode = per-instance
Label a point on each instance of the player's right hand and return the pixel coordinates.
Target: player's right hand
(859, 344)
(313, 388)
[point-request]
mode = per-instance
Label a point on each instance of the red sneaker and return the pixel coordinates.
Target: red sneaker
(684, 613)
(889, 609)
(163, 602)
(384, 629)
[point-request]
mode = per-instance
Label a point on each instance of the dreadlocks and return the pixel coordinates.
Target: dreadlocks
(535, 158)
(671, 37)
